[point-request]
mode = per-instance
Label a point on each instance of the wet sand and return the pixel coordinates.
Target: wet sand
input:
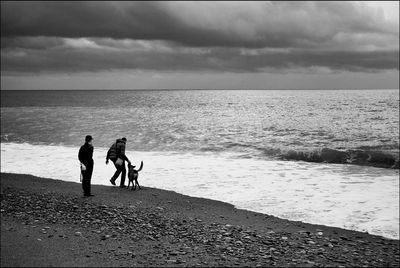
(47, 222)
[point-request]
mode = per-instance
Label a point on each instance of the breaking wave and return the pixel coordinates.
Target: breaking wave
(366, 156)
(357, 157)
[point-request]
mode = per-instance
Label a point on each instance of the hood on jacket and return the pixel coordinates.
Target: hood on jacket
(121, 140)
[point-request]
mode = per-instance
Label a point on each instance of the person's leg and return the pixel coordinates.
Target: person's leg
(116, 174)
(123, 170)
(85, 181)
(89, 179)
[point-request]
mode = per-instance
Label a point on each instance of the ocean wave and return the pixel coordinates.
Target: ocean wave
(386, 156)
(376, 156)
(357, 157)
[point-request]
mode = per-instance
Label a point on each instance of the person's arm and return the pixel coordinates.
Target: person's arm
(81, 157)
(108, 155)
(122, 154)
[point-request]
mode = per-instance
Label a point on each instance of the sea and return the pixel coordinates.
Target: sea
(327, 157)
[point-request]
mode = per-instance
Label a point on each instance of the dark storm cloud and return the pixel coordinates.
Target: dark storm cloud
(259, 24)
(87, 55)
(214, 36)
(136, 20)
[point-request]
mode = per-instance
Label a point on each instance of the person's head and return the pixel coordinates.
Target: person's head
(124, 139)
(88, 139)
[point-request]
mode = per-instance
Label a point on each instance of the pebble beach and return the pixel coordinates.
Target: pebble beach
(47, 222)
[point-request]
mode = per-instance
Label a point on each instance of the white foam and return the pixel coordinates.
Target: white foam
(346, 196)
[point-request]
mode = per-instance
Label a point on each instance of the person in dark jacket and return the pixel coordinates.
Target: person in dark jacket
(117, 150)
(86, 158)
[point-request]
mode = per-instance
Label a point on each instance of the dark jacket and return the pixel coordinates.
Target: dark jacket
(117, 150)
(85, 154)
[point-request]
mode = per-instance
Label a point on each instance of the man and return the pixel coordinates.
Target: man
(86, 158)
(117, 150)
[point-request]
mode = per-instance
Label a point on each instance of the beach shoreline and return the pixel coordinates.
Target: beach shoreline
(47, 222)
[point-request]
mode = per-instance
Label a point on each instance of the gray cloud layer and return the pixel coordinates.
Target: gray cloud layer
(88, 55)
(216, 36)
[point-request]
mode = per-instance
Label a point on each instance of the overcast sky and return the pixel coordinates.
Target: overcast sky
(193, 45)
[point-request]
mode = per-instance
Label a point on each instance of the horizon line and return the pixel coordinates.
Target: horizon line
(189, 89)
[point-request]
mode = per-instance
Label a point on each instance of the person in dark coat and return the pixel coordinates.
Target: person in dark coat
(86, 158)
(117, 150)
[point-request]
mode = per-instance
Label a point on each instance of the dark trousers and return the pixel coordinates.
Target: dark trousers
(120, 169)
(86, 178)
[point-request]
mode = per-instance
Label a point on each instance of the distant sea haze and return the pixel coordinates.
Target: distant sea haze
(323, 126)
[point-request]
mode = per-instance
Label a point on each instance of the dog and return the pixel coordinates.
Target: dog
(133, 175)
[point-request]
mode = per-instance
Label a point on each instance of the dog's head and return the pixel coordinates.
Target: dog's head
(130, 167)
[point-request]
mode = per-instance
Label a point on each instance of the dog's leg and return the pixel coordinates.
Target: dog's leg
(138, 185)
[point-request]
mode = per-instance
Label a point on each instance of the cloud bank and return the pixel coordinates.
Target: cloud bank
(196, 36)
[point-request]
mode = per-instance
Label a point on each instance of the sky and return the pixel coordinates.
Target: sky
(200, 45)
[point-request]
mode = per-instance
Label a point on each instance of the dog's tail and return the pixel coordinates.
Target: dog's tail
(141, 166)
